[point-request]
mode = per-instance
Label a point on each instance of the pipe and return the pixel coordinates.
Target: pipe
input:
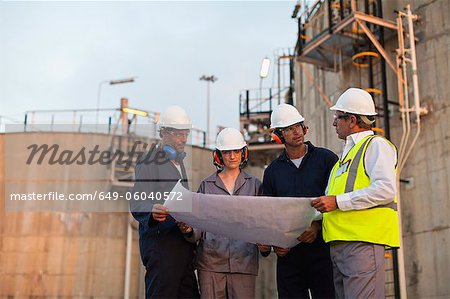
(291, 81)
(402, 89)
(80, 123)
(330, 18)
(279, 80)
(270, 97)
(25, 122)
(52, 122)
(400, 83)
(407, 110)
(387, 127)
(126, 292)
(247, 104)
(413, 62)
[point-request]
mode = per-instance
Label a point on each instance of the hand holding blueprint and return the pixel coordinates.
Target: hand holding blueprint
(256, 219)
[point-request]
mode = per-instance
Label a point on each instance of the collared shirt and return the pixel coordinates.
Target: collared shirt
(380, 160)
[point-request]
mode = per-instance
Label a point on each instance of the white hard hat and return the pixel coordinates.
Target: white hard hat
(285, 115)
(175, 117)
(355, 101)
(230, 139)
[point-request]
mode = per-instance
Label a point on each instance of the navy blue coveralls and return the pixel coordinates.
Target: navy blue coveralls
(306, 266)
(166, 255)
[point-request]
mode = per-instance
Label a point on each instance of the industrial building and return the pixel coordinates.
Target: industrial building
(399, 51)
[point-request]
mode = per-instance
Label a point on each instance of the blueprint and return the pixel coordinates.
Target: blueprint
(256, 219)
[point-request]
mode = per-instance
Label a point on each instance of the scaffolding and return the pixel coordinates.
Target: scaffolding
(256, 105)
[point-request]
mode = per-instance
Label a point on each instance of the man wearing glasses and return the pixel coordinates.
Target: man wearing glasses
(302, 170)
(166, 255)
(359, 211)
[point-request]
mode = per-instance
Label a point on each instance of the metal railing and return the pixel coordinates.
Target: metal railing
(255, 101)
(111, 122)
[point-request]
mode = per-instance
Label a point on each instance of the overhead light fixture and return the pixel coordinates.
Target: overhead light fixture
(265, 65)
(121, 81)
(296, 10)
(111, 82)
(135, 111)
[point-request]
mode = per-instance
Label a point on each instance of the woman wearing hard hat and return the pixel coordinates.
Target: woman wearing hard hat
(227, 268)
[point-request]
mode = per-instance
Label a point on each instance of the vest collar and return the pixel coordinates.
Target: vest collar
(354, 139)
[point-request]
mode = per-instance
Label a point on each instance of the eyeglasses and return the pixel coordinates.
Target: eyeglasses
(292, 129)
(228, 152)
(342, 116)
(178, 134)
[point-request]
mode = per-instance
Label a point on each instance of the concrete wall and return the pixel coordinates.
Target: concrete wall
(64, 254)
(58, 254)
(425, 203)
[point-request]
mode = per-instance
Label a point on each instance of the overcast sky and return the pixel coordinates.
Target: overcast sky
(53, 55)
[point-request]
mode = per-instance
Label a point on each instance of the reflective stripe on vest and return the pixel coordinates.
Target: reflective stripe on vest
(374, 225)
(349, 186)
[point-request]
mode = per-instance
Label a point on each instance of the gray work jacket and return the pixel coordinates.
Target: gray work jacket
(221, 254)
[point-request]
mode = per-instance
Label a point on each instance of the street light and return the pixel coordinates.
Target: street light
(111, 82)
(209, 79)
(263, 73)
(265, 65)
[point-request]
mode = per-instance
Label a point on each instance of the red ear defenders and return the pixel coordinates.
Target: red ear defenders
(218, 159)
(277, 134)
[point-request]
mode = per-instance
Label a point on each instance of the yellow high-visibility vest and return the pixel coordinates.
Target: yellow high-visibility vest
(377, 225)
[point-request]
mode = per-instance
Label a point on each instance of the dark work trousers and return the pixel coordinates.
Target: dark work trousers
(306, 266)
(166, 255)
(170, 273)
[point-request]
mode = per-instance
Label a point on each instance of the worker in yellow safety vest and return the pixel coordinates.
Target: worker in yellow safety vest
(359, 210)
